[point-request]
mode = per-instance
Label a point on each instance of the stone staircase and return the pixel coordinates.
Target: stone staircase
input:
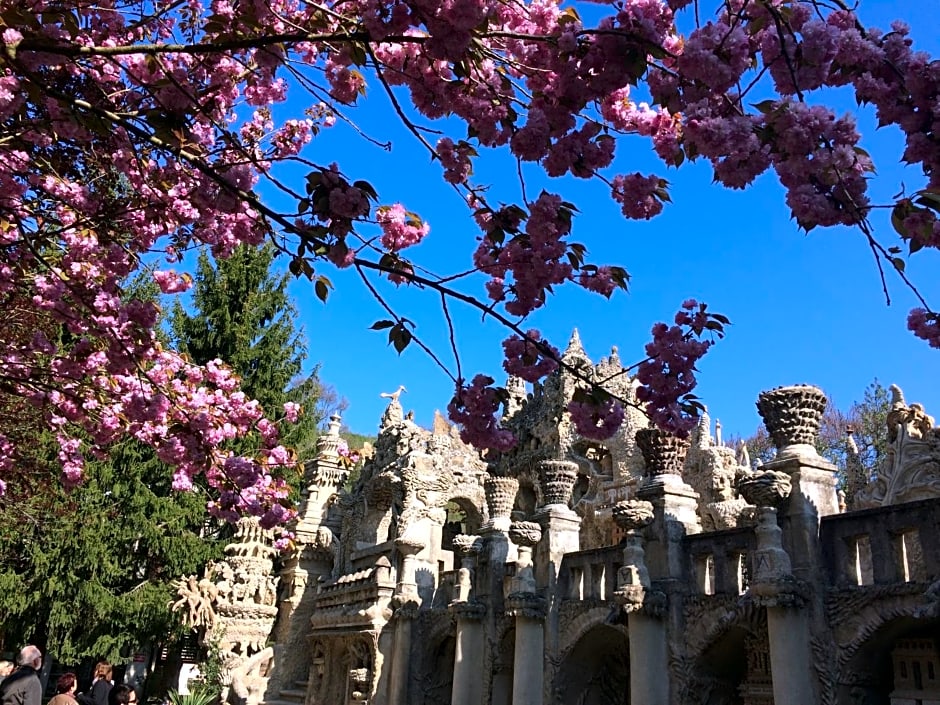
(290, 696)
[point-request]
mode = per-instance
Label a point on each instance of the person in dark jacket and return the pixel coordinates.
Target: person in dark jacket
(100, 686)
(23, 687)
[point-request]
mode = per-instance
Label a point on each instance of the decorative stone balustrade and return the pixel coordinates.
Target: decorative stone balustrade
(904, 537)
(719, 562)
(590, 575)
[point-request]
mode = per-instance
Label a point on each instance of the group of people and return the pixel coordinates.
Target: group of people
(23, 687)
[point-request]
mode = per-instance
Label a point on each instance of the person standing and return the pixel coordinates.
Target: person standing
(65, 690)
(101, 685)
(22, 687)
(122, 695)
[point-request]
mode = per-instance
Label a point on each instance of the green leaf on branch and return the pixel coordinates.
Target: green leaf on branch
(322, 288)
(400, 337)
(382, 325)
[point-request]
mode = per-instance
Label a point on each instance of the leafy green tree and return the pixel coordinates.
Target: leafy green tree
(88, 573)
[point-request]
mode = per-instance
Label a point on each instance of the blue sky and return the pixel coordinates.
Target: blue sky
(804, 308)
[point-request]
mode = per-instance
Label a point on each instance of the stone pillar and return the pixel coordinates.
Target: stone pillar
(675, 504)
(407, 601)
(500, 496)
(649, 653)
(773, 586)
(468, 656)
(469, 653)
(528, 608)
(560, 525)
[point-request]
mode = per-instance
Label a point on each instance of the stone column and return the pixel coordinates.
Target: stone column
(773, 586)
(792, 416)
(560, 525)
(528, 608)
(675, 504)
(500, 496)
(406, 600)
(649, 653)
(469, 653)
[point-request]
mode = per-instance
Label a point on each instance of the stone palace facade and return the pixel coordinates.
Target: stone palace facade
(642, 570)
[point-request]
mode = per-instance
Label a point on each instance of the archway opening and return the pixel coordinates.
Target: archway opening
(596, 671)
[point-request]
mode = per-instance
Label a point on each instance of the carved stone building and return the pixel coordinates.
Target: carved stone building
(642, 570)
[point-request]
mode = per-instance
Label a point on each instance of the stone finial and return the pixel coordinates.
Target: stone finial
(632, 514)
(525, 533)
(467, 544)
(792, 416)
(765, 489)
(556, 480)
(663, 453)
(328, 443)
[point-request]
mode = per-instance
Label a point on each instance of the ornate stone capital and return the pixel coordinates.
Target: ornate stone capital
(500, 496)
(467, 545)
(784, 591)
(663, 453)
(639, 599)
(632, 514)
(792, 415)
(556, 480)
(765, 489)
(471, 611)
(526, 604)
(525, 533)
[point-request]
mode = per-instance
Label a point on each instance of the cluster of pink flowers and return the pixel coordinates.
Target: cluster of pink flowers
(925, 325)
(597, 419)
(400, 229)
(474, 408)
(641, 197)
(535, 256)
(531, 357)
(184, 137)
(667, 376)
(456, 159)
(347, 456)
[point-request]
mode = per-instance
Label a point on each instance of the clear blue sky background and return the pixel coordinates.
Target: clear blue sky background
(804, 308)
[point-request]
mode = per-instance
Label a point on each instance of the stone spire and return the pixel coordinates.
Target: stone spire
(575, 349)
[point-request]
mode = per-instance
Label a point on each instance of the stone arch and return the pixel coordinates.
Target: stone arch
(595, 670)
(572, 630)
(432, 681)
(726, 653)
(463, 517)
(868, 624)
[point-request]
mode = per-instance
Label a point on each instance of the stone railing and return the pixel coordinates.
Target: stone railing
(365, 556)
(903, 538)
(719, 562)
(590, 575)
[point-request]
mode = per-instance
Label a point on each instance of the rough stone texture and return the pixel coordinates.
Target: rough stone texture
(578, 570)
(792, 414)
